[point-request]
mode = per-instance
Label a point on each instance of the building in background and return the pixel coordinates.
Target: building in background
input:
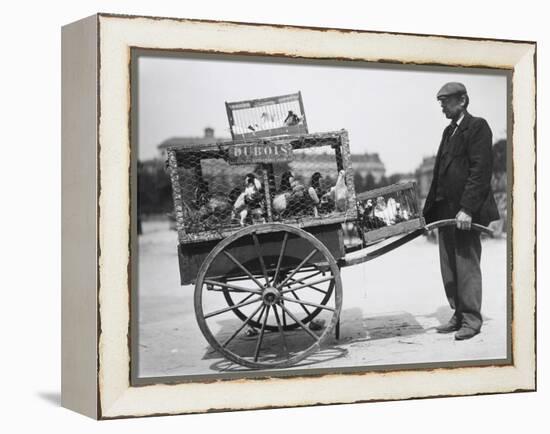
(424, 174)
(363, 164)
(208, 138)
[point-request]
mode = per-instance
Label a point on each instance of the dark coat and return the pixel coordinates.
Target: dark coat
(467, 167)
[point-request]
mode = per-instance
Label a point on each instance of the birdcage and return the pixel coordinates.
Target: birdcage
(304, 180)
(267, 117)
(388, 211)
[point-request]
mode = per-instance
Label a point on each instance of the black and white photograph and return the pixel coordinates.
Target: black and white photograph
(297, 217)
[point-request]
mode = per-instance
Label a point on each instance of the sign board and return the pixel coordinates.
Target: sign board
(262, 152)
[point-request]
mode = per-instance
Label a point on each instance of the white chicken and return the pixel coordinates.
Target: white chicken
(382, 211)
(339, 193)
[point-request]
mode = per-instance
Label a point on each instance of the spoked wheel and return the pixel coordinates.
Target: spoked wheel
(308, 313)
(286, 277)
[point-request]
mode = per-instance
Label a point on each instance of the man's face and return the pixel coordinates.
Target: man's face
(452, 105)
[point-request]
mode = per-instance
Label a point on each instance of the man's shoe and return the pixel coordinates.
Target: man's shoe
(448, 328)
(465, 333)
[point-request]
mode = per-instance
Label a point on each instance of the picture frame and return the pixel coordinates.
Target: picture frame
(98, 164)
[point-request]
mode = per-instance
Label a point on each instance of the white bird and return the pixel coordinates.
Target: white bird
(281, 199)
(381, 210)
(391, 209)
(339, 193)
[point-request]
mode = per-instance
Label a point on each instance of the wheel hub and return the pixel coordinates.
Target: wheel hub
(271, 296)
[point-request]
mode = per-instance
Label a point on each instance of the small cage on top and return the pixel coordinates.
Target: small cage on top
(267, 117)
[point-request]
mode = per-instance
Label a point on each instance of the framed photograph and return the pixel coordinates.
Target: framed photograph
(262, 216)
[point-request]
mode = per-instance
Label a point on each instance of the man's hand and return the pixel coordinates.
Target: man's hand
(463, 220)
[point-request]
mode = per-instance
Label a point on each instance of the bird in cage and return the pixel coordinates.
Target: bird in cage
(280, 201)
(267, 121)
(316, 192)
(211, 207)
(401, 214)
(292, 119)
(383, 211)
(325, 204)
(391, 210)
(369, 219)
(339, 194)
(250, 204)
(293, 197)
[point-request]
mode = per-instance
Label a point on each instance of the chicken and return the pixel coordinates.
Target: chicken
(339, 193)
(217, 207)
(370, 221)
(280, 200)
(211, 207)
(382, 211)
(401, 215)
(251, 201)
(315, 192)
(391, 210)
(293, 197)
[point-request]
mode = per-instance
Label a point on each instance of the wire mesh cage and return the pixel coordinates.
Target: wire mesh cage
(388, 211)
(267, 117)
(304, 180)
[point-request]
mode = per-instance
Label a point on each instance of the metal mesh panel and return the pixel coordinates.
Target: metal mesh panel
(270, 117)
(209, 188)
(216, 193)
(389, 211)
(309, 186)
(267, 117)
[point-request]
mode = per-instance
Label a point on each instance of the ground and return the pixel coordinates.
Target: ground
(391, 307)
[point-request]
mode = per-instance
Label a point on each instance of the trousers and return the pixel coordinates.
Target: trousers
(459, 257)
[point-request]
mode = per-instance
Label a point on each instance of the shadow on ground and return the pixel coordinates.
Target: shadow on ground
(354, 328)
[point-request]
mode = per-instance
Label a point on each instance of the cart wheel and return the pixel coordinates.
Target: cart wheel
(278, 295)
(308, 314)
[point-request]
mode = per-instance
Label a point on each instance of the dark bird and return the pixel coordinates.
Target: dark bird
(293, 198)
(369, 219)
(251, 201)
(211, 207)
(292, 119)
(315, 192)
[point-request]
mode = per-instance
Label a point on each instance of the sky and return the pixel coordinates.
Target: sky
(390, 110)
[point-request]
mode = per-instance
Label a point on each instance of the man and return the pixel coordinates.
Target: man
(461, 190)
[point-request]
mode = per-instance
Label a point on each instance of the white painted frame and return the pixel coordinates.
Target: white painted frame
(96, 217)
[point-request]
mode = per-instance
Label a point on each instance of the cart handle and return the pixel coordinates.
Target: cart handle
(372, 254)
(452, 222)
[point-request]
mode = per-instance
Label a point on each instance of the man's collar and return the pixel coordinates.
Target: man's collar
(461, 118)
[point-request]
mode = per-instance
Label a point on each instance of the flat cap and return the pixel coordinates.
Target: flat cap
(452, 88)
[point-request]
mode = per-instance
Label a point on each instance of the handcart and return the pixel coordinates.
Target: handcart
(260, 222)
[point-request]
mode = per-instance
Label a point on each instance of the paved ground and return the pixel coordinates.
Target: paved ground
(390, 308)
